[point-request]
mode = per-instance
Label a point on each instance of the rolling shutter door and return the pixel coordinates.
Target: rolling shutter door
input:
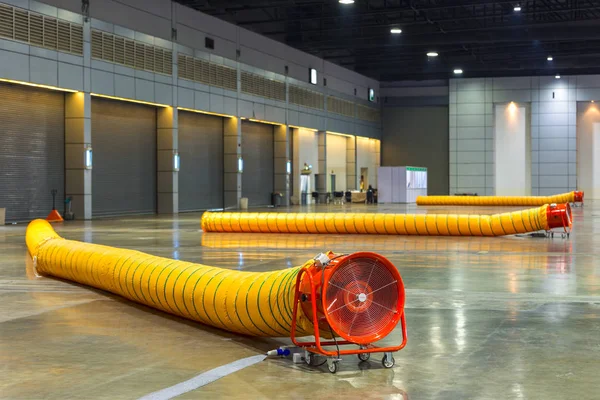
(124, 143)
(32, 151)
(257, 152)
(201, 152)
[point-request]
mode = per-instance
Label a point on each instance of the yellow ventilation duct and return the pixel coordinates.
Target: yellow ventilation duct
(249, 303)
(530, 201)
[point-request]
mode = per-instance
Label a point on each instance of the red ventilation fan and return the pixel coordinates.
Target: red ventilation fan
(358, 298)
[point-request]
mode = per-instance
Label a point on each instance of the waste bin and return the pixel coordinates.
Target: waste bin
(324, 198)
(276, 199)
(304, 198)
(244, 203)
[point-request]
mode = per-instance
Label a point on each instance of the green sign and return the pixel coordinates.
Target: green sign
(416, 169)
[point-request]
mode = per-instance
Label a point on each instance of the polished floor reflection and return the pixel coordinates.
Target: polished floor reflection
(512, 317)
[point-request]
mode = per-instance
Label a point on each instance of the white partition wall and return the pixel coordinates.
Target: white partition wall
(512, 140)
(588, 149)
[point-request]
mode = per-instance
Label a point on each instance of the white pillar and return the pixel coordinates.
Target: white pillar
(512, 150)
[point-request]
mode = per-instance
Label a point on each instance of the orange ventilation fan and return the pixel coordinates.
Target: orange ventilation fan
(560, 218)
(358, 298)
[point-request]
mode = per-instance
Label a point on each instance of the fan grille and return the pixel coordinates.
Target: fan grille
(361, 299)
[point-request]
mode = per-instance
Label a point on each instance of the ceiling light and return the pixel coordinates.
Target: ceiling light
(517, 8)
(550, 58)
(458, 71)
(432, 54)
(346, 1)
(396, 30)
(592, 101)
(557, 76)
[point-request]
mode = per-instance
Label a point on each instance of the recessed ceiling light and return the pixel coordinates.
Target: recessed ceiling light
(432, 54)
(458, 71)
(346, 1)
(396, 30)
(517, 8)
(550, 58)
(557, 76)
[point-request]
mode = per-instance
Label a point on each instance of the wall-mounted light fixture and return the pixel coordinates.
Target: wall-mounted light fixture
(288, 167)
(240, 165)
(149, 103)
(312, 76)
(176, 161)
(371, 94)
(37, 85)
(88, 157)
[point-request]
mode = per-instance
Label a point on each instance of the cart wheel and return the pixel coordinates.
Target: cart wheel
(388, 362)
(332, 367)
(364, 356)
(308, 358)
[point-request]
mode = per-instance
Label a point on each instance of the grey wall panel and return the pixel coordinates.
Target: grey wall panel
(124, 142)
(418, 136)
(201, 152)
(32, 151)
(257, 152)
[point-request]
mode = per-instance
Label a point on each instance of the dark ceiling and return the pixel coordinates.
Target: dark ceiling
(484, 38)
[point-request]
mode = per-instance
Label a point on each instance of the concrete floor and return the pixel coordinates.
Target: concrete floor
(488, 318)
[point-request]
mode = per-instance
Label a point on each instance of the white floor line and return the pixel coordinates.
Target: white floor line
(203, 379)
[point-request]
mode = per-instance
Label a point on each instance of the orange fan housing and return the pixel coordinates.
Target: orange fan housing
(360, 297)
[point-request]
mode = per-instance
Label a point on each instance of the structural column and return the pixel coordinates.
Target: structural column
(167, 185)
(321, 186)
(377, 157)
(232, 153)
(281, 156)
(351, 163)
(78, 140)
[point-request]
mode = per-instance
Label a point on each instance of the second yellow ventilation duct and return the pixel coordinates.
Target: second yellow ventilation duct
(532, 220)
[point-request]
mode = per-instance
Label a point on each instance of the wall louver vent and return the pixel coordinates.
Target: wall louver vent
(306, 98)
(340, 106)
(131, 53)
(260, 86)
(367, 113)
(206, 72)
(40, 30)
